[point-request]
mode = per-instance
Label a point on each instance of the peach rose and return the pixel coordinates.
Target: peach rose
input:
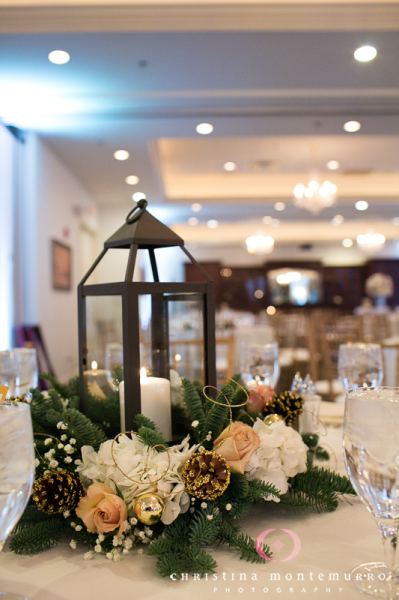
(259, 397)
(236, 444)
(101, 510)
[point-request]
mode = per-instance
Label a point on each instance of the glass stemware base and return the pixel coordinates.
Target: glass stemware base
(374, 579)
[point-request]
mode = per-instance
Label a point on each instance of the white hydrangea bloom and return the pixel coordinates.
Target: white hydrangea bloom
(139, 461)
(281, 454)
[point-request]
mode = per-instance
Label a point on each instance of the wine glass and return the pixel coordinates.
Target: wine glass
(259, 364)
(360, 365)
(17, 468)
(371, 455)
(25, 370)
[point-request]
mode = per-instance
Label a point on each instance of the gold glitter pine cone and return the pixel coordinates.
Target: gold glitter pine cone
(206, 475)
(57, 492)
(286, 405)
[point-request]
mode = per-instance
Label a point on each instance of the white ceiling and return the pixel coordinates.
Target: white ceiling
(272, 95)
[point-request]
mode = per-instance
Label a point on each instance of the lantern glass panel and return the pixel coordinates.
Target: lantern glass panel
(104, 359)
(186, 335)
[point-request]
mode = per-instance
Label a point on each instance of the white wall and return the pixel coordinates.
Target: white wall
(8, 150)
(51, 206)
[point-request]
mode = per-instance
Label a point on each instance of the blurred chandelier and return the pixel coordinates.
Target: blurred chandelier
(315, 196)
(263, 244)
(371, 241)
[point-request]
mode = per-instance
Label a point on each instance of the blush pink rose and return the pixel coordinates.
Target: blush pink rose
(259, 397)
(236, 444)
(101, 510)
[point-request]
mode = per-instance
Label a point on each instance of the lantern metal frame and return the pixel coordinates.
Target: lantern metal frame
(143, 231)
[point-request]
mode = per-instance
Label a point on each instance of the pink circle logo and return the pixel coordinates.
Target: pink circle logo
(278, 545)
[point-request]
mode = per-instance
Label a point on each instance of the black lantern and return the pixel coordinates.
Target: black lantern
(140, 338)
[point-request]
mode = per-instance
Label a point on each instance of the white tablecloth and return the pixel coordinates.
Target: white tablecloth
(331, 545)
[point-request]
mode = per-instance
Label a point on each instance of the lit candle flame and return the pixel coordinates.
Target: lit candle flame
(143, 373)
(94, 365)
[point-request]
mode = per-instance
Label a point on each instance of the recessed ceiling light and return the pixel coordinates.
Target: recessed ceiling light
(229, 166)
(337, 220)
(193, 221)
(121, 155)
(395, 221)
(274, 222)
(212, 224)
(361, 205)
(352, 126)
(59, 57)
(267, 220)
(196, 207)
(138, 196)
(365, 53)
(347, 243)
(333, 165)
(279, 206)
(204, 128)
(132, 180)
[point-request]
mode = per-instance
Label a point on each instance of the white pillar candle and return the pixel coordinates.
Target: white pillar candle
(155, 403)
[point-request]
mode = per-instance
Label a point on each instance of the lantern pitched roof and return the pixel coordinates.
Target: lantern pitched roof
(147, 232)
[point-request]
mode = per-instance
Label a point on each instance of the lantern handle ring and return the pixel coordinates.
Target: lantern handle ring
(132, 218)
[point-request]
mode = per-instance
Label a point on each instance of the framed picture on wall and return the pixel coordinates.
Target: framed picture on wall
(62, 266)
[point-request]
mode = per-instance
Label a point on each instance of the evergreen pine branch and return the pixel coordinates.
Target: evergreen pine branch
(248, 417)
(151, 438)
(56, 400)
(302, 503)
(161, 545)
(239, 485)
(31, 516)
(203, 531)
(179, 529)
(317, 490)
(246, 546)
(195, 408)
(228, 530)
(38, 536)
(215, 421)
(240, 507)
(61, 389)
(201, 562)
(321, 453)
(311, 440)
(143, 421)
(82, 429)
(74, 387)
(259, 490)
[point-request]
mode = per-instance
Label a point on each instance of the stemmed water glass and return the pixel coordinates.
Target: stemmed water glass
(259, 364)
(17, 468)
(360, 365)
(371, 455)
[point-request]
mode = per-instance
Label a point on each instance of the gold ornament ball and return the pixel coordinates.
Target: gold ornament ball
(149, 508)
(270, 419)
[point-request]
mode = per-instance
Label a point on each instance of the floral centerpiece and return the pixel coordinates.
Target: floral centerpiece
(136, 492)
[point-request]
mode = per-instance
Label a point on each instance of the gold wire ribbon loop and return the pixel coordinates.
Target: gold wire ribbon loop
(229, 406)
